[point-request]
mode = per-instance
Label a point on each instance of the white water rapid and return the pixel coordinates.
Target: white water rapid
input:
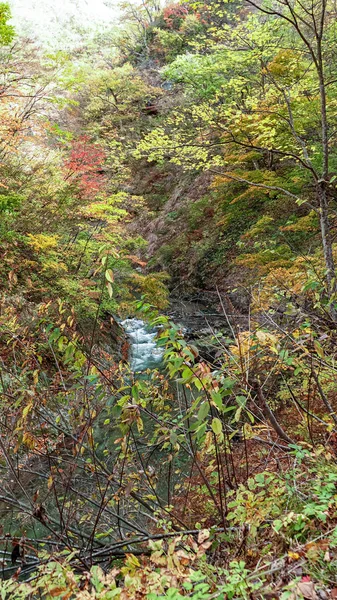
(144, 352)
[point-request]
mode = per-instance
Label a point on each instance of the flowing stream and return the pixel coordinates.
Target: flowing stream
(199, 322)
(144, 352)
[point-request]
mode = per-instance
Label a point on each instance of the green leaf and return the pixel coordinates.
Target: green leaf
(241, 400)
(173, 437)
(135, 392)
(277, 524)
(217, 399)
(203, 412)
(216, 426)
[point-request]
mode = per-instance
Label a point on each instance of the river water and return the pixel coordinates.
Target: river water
(144, 351)
(199, 322)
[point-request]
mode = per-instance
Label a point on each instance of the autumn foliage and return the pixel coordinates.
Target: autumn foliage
(181, 164)
(85, 167)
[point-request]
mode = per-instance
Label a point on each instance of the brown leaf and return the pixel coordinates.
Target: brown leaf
(205, 546)
(16, 574)
(136, 259)
(12, 277)
(56, 591)
(307, 589)
(40, 513)
(128, 489)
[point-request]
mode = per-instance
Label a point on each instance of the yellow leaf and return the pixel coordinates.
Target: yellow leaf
(29, 440)
(109, 276)
(293, 555)
(27, 410)
(319, 349)
(109, 288)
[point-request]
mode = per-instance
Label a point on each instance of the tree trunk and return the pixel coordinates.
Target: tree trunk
(323, 201)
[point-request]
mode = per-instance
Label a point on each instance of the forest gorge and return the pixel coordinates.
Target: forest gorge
(170, 185)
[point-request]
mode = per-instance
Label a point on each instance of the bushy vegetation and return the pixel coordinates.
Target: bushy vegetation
(189, 151)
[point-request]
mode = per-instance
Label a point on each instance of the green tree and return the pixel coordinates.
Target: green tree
(6, 31)
(260, 99)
